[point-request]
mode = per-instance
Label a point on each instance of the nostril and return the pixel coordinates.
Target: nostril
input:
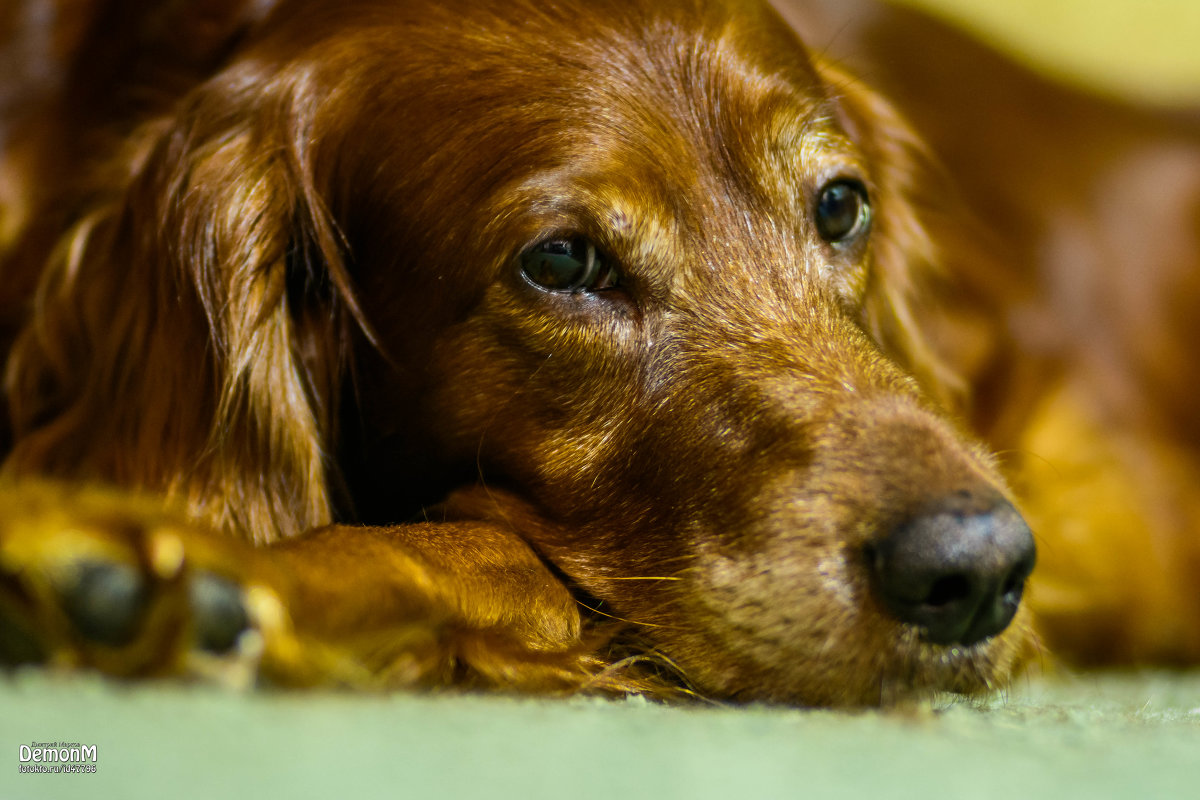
(1014, 582)
(948, 590)
(957, 573)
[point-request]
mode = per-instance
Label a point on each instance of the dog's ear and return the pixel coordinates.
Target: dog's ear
(191, 332)
(911, 198)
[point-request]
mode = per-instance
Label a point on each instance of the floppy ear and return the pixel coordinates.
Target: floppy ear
(191, 332)
(911, 197)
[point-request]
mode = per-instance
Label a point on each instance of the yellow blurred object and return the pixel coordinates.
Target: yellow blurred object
(1136, 48)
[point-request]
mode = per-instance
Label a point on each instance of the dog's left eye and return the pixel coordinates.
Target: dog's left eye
(843, 211)
(568, 264)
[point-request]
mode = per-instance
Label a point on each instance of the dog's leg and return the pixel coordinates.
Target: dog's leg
(89, 579)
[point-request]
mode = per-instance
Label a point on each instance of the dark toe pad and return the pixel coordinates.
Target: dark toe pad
(217, 612)
(105, 601)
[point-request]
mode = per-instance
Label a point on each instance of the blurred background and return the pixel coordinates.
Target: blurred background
(1141, 48)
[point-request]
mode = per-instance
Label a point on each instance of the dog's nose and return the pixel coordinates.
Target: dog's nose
(957, 571)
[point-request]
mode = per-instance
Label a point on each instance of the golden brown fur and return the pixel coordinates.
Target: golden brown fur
(261, 263)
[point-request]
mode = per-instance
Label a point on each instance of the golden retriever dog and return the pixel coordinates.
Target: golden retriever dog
(618, 346)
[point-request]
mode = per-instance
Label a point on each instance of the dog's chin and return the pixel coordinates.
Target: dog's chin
(903, 670)
(856, 658)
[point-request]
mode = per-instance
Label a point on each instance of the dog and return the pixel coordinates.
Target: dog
(614, 346)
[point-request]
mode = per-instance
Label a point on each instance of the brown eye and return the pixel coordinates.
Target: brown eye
(567, 264)
(842, 212)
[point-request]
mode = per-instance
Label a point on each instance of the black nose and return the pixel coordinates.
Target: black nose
(958, 571)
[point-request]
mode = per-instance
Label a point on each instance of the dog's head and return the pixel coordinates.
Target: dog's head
(645, 270)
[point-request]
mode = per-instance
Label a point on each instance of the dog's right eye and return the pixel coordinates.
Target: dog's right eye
(568, 264)
(842, 212)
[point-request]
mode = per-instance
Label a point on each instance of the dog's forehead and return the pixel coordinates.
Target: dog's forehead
(647, 48)
(707, 69)
(697, 103)
(676, 67)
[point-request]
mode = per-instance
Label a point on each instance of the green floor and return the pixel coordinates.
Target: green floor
(1132, 736)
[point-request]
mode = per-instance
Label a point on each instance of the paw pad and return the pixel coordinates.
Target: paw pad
(106, 602)
(219, 616)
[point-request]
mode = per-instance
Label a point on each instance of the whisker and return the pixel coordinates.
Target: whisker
(660, 667)
(1007, 456)
(637, 578)
(622, 619)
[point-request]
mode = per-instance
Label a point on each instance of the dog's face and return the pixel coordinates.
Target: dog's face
(644, 270)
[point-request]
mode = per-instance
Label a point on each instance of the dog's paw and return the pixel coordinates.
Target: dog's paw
(95, 579)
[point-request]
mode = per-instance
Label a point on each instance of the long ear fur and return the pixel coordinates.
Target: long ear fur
(191, 333)
(911, 197)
